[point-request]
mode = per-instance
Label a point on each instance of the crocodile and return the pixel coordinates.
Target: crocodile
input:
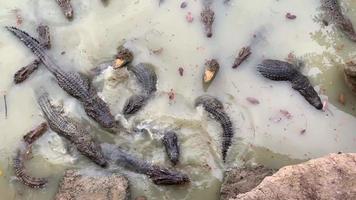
(45, 41)
(23, 154)
(159, 175)
(207, 18)
(147, 79)
(170, 142)
(214, 107)
(277, 70)
(334, 15)
(244, 53)
(66, 7)
(71, 130)
(72, 82)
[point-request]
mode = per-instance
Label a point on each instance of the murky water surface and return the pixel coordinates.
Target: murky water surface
(263, 133)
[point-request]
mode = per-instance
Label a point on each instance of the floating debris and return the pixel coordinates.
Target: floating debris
(286, 113)
(19, 18)
(290, 16)
(244, 53)
(325, 105)
(207, 18)
(342, 99)
(302, 132)
(181, 71)
(189, 17)
(171, 95)
(253, 100)
(5, 105)
(157, 51)
(211, 70)
(66, 7)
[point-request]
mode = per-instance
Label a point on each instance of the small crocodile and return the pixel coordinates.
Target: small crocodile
(283, 71)
(45, 41)
(334, 15)
(147, 79)
(66, 7)
(159, 175)
(23, 154)
(244, 53)
(207, 18)
(170, 142)
(71, 130)
(213, 106)
(72, 82)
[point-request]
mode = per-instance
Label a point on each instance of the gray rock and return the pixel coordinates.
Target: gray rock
(87, 186)
(332, 177)
(242, 180)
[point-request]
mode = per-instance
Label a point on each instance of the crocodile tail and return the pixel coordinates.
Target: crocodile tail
(277, 70)
(21, 174)
(35, 47)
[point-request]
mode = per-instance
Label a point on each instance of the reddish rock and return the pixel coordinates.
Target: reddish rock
(332, 177)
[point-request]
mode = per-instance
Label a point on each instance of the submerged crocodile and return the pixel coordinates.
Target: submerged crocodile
(147, 79)
(170, 142)
(72, 82)
(213, 106)
(71, 130)
(334, 15)
(23, 154)
(45, 41)
(283, 71)
(159, 175)
(66, 7)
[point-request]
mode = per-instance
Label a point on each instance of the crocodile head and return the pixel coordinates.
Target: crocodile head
(162, 176)
(207, 18)
(99, 111)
